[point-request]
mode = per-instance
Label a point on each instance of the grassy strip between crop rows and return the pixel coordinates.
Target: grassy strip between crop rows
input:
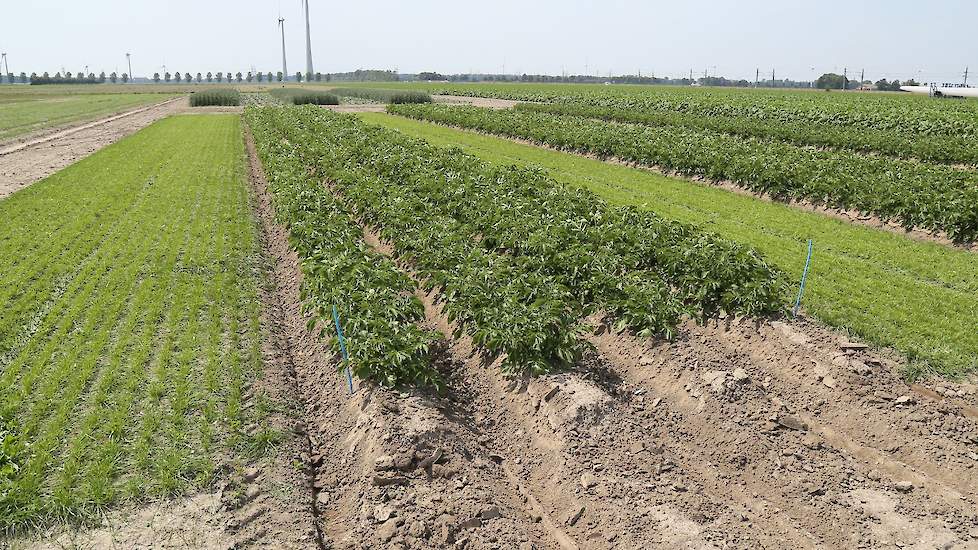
(519, 258)
(130, 323)
(22, 113)
(927, 196)
(919, 298)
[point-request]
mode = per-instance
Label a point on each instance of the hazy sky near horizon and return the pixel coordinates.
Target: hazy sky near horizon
(798, 38)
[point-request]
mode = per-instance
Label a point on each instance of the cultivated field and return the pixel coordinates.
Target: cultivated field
(24, 111)
(561, 324)
(130, 326)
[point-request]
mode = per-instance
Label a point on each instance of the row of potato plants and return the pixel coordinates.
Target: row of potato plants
(378, 310)
(544, 256)
(931, 148)
(931, 197)
(505, 303)
(905, 113)
(589, 246)
(384, 96)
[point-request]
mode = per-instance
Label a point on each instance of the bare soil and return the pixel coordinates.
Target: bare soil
(490, 102)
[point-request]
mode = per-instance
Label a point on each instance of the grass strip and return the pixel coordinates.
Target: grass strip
(106, 394)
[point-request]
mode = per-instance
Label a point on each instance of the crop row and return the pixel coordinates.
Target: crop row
(519, 258)
(133, 325)
(933, 148)
(571, 235)
(300, 96)
(905, 113)
(931, 197)
(374, 299)
(224, 98)
(384, 96)
(506, 306)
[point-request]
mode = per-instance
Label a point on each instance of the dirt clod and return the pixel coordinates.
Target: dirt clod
(792, 423)
(903, 486)
(575, 515)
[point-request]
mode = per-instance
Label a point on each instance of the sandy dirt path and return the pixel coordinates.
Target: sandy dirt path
(489, 102)
(33, 158)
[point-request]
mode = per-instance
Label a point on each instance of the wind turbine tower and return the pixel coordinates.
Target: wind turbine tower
(285, 68)
(308, 42)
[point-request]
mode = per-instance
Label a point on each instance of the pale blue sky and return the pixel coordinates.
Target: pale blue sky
(896, 38)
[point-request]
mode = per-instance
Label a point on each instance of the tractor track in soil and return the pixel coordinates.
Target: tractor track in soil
(740, 434)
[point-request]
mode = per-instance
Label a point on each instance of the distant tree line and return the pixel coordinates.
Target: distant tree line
(826, 81)
(894, 86)
(69, 78)
(833, 81)
(597, 79)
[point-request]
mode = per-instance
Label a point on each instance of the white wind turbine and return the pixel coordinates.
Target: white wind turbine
(285, 68)
(305, 4)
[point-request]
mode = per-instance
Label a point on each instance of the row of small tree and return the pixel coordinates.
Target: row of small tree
(67, 78)
(238, 77)
(92, 78)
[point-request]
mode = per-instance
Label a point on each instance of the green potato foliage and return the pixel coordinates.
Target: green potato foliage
(519, 259)
(917, 195)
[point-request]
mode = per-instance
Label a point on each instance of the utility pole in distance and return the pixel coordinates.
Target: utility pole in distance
(845, 77)
(965, 74)
(129, 61)
(773, 85)
(862, 77)
(757, 77)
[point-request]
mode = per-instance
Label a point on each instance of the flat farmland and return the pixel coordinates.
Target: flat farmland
(23, 112)
(875, 284)
(448, 326)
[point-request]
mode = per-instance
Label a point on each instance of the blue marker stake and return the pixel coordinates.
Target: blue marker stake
(346, 356)
(804, 277)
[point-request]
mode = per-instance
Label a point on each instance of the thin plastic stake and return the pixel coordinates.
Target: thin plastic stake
(804, 277)
(346, 356)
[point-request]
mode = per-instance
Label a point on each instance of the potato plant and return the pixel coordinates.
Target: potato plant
(378, 311)
(519, 258)
(904, 113)
(932, 148)
(917, 195)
